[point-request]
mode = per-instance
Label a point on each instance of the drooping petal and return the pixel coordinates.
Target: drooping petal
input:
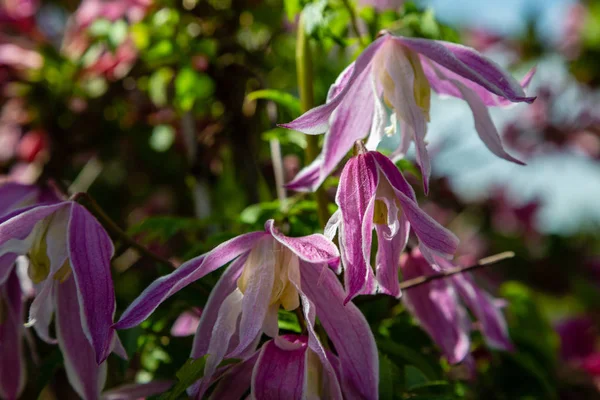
(225, 286)
(12, 361)
(90, 250)
(316, 120)
(429, 232)
(188, 272)
(330, 387)
(380, 118)
(357, 187)
(136, 391)
(41, 311)
(278, 373)
(340, 82)
(309, 178)
(483, 123)
(15, 195)
(257, 293)
(348, 330)
(485, 309)
(332, 225)
(84, 374)
(236, 381)
(370, 284)
(389, 250)
(314, 248)
(444, 87)
(470, 64)
(435, 305)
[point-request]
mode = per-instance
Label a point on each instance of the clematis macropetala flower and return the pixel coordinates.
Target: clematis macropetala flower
(396, 74)
(373, 194)
(288, 369)
(439, 307)
(69, 256)
(269, 270)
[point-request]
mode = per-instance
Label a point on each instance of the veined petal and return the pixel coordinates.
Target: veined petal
(236, 381)
(348, 330)
(470, 64)
(90, 250)
(257, 293)
(314, 248)
(429, 232)
(188, 272)
(484, 308)
(340, 82)
(330, 387)
(483, 122)
(309, 178)
(278, 373)
(12, 361)
(436, 307)
(389, 250)
(135, 391)
(225, 286)
(332, 225)
(316, 120)
(356, 190)
(15, 195)
(444, 87)
(369, 285)
(41, 310)
(83, 372)
(380, 118)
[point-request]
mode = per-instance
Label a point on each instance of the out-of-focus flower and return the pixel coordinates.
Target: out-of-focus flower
(438, 306)
(19, 57)
(399, 73)
(288, 369)
(32, 144)
(570, 41)
(374, 194)
(69, 263)
(19, 14)
(382, 5)
(270, 270)
(187, 323)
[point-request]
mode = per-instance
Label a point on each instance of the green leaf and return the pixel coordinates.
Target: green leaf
(285, 136)
(191, 85)
(314, 16)
(252, 214)
(410, 356)
(118, 33)
(162, 228)
(292, 8)
(291, 103)
(414, 377)
(100, 28)
(191, 371)
(390, 378)
(289, 321)
(157, 85)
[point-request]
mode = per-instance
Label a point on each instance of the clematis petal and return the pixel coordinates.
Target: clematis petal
(12, 362)
(485, 309)
(380, 118)
(309, 178)
(136, 391)
(314, 248)
(236, 381)
(258, 288)
(316, 120)
(332, 225)
(436, 307)
(16, 195)
(444, 87)
(330, 387)
(348, 330)
(389, 250)
(429, 232)
(225, 286)
(470, 64)
(41, 311)
(83, 372)
(356, 190)
(188, 272)
(90, 250)
(340, 82)
(279, 374)
(370, 285)
(483, 123)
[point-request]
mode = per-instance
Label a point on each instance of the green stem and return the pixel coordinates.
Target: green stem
(305, 89)
(354, 22)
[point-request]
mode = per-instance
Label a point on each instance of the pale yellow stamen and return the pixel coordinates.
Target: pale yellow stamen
(39, 263)
(314, 371)
(380, 212)
(63, 273)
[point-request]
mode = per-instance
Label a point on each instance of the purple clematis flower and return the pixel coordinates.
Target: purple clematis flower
(438, 306)
(69, 256)
(289, 369)
(269, 270)
(374, 194)
(399, 72)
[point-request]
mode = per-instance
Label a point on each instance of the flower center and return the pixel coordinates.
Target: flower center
(63, 272)
(286, 265)
(380, 212)
(39, 263)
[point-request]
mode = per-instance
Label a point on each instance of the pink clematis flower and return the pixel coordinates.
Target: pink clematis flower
(289, 370)
(397, 74)
(69, 263)
(269, 270)
(438, 306)
(373, 194)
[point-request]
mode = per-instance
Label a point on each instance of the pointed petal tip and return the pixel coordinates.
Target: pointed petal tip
(527, 100)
